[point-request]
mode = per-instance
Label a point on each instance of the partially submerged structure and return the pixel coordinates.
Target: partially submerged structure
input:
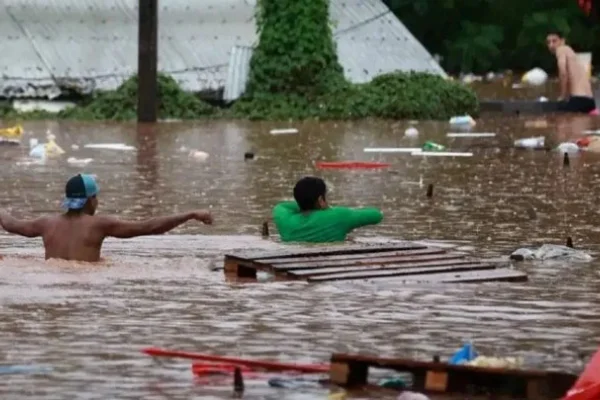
(51, 48)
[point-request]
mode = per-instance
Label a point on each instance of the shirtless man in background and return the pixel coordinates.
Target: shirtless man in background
(78, 234)
(575, 87)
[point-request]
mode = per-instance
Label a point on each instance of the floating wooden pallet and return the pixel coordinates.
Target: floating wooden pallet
(436, 377)
(403, 261)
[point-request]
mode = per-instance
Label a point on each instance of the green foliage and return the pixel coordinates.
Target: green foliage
(295, 73)
(483, 35)
(391, 96)
(296, 52)
(121, 104)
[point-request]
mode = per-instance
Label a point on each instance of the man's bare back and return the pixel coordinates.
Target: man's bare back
(577, 80)
(575, 87)
(78, 234)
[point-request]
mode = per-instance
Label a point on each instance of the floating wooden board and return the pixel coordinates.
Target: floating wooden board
(470, 134)
(436, 377)
(391, 149)
(408, 262)
(442, 154)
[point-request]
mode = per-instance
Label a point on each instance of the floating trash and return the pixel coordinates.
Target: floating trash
(110, 146)
(391, 149)
(463, 120)
(535, 77)
(442, 154)
(531, 143)
(411, 132)
(432, 146)
(79, 161)
(551, 252)
(198, 155)
(288, 131)
(470, 134)
(568, 147)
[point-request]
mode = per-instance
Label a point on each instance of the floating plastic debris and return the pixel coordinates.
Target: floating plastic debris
(535, 77)
(79, 161)
(442, 154)
(568, 147)
(551, 252)
(110, 146)
(198, 155)
(288, 131)
(531, 143)
(391, 149)
(464, 120)
(470, 134)
(411, 132)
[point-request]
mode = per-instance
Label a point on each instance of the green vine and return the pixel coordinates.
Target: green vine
(296, 52)
(295, 73)
(121, 104)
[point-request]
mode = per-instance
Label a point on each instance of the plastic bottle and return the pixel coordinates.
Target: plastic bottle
(531, 143)
(432, 146)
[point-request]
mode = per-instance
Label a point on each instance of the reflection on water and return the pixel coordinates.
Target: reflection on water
(88, 322)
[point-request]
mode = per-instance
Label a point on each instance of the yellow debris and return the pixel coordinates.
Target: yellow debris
(14, 132)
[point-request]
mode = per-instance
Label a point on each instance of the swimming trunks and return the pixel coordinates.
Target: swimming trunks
(580, 104)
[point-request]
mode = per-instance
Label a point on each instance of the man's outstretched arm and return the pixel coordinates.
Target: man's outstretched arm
(154, 226)
(27, 228)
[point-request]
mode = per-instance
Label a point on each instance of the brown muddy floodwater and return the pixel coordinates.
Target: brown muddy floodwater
(88, 322)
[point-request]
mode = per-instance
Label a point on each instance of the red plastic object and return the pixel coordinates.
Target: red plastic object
(583, 142)
(263, 365)
(587, 386)
(351, 164)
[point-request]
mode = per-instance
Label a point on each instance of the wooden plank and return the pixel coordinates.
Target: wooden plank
(329, 250)
(467, 380)
(495, 275)
(369, 261)
(360, 256)
(388, 272)
(423, 265)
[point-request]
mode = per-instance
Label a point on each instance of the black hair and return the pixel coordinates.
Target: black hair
(307, 192)
(555, 31)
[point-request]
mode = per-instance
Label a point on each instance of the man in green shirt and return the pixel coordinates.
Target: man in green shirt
(311, 219)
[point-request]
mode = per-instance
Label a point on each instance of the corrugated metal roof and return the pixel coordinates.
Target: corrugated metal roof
(92, 44)
(237, 72)
(371, 41)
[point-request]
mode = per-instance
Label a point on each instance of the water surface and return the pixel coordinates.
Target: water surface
(89, 322)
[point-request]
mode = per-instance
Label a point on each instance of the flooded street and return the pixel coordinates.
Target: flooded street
(89, 322)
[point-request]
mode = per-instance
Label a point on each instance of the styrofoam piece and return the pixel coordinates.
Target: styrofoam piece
(288, 131)
(110, 146)
(470, 134)
(441, 154)
(391, 149)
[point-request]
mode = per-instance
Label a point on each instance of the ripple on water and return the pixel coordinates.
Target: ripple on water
(89, 321)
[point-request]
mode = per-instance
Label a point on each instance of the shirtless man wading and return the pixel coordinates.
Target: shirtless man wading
(78, 234)
(575, 87)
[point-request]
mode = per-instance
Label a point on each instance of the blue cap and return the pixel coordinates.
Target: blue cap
(78, 190)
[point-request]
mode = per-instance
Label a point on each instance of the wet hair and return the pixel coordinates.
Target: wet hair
(556, 31)
(307, 192)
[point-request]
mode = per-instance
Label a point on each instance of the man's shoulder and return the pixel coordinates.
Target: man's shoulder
(564, 50)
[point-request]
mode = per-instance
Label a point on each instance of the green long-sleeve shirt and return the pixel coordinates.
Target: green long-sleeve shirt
(330, 225)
